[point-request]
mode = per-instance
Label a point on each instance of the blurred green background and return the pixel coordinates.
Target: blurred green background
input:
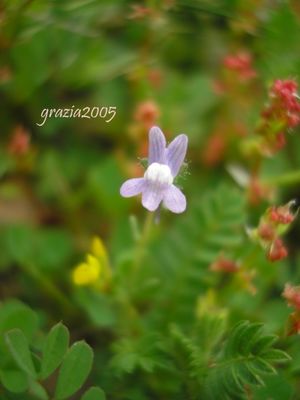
(159, 63)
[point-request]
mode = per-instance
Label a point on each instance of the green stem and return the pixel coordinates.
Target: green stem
(287, 179)
(131, 317)
(130, 321)
(142, 242)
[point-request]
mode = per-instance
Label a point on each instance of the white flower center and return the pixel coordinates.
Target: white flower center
(159, 173)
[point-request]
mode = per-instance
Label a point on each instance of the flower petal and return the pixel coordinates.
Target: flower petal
(176, 152)
(152, 196)
(157, 146)
(174, 200)
(132, 187)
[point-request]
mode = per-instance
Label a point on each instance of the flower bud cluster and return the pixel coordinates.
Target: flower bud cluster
(243, 277)
(284, 97)
(258, 190)
(281, 113)
(241, 64)
(277, 250)
(274, 222)
(223, 264)
(292, 295)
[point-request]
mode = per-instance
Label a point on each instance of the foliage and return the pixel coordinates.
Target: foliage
(100, 298)
(248, 356)
(27, 364)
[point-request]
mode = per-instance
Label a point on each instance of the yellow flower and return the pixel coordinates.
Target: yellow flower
(95, 271)
(87, 273)
(98, 249)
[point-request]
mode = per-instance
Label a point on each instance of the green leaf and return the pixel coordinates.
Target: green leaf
(237, 333)
(14, 380)
(94, 393)
(139, 353)
(248, 339)
(49, 239)
(263, 343)
(97, 306)
(106, 196)
(56, 345)
(277, 387)
(276, 355)
(262, 366)
(20, 242)
(282, 24)
(74, 370)
(210, 330)
(19, 349)
(247, 359)
(38, 391)
(30, 61)
(14, 314)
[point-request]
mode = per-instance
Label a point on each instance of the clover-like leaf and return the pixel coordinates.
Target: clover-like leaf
(56, 345)
(74, 370)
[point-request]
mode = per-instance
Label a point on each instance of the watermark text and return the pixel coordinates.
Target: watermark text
(107, 113)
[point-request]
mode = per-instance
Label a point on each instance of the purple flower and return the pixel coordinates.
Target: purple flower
(164, 163)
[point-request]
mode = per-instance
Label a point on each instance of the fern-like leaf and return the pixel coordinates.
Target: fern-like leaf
(209, 227)
(247, 357)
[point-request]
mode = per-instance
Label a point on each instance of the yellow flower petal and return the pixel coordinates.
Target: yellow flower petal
(87, 273)
(98, 248)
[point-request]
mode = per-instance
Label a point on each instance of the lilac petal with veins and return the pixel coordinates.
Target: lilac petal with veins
(176, 152)
(174, 200)
(157, 146)
(152, 196)
(132, 187)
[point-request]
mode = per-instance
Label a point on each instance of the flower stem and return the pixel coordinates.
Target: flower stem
(287, 179)
(131, 318)
(142, 242)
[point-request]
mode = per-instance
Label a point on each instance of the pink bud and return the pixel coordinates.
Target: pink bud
(20, 141)
(281, 215)
(147, 113)
(266, 231)
(240, 63)
(277, 251)
(292, 295)
(224, 265)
